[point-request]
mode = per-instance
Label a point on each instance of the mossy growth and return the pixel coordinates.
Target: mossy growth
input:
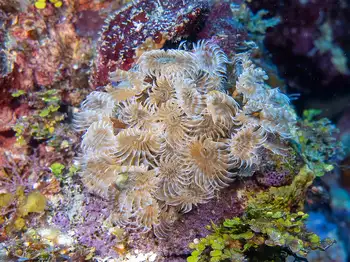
(271, 229)
(317, 143)
(285, 198)
(45, 117)
(18, 93)
(62, 172)
(57, 169)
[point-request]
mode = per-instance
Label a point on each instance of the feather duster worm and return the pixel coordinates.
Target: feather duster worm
(99, 138)
(189, 197)
(136, 147)
(166, 220)
(205, 126)
(137, 206)
(173, 179)
(134, 114)
(173, 121)
(161, 92)
(207, 162)
(97, 106)
(221, 107)
(250, 82)
(244, 144)
(170, 63)
(190, 100)
(211, 58)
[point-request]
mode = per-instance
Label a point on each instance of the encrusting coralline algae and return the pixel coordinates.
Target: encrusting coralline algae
(169, 133)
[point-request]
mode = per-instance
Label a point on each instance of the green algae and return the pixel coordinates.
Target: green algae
(57, 169)
(17, 206)
(45, 117)
(273, 221)
(316, 142)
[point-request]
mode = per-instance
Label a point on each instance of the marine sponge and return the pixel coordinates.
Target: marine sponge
(185, 136)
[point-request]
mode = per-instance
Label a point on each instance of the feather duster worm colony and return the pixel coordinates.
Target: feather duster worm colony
(183, 136)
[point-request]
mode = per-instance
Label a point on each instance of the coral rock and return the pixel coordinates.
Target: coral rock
(222, 27)
(129, 28)
(7, 118)
(274, 178)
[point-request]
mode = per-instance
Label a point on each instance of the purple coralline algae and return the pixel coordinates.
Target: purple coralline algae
(90, 229)
(274, 178)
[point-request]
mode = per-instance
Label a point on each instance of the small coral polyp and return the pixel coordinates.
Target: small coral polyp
(183, 135)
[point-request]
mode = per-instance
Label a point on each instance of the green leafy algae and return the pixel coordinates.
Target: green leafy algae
(57, 169)
(44, 119)
(17, 206)
(271, 229)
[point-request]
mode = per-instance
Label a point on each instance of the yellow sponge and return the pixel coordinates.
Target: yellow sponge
(40, 4)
